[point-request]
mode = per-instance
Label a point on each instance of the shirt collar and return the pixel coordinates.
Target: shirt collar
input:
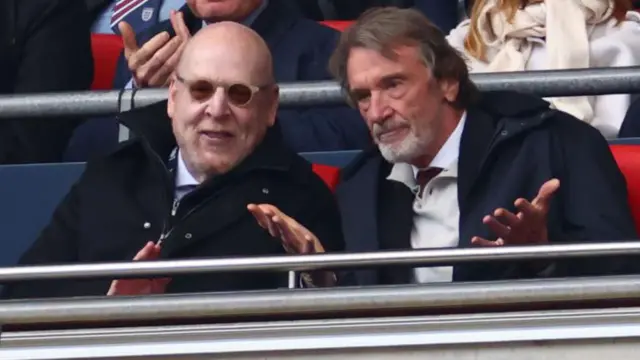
(446, 158)
(450, 150)
(252, 17)
(183, 176)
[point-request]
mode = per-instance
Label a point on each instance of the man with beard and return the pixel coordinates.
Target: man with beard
(456, 168)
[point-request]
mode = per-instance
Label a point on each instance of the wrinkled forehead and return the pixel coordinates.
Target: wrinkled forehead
(366, 68)
(226, 64)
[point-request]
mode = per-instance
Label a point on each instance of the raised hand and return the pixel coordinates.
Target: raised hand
(528, 226)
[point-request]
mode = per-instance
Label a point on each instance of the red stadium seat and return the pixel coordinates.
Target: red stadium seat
(329, 174)
(338, 25)
(628, 159)
(106, 49)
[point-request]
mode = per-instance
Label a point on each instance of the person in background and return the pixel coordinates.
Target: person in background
(300, 47)
(517, 35)
(458, 168)
(44, 47)
(141, 15)
(444, 14)
(186, 193)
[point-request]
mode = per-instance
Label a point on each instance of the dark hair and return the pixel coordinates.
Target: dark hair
(383, 29)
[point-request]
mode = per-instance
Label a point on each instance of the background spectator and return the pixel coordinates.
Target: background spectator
(557, 34)
(300, 47)
(139, 14)
(44, 47)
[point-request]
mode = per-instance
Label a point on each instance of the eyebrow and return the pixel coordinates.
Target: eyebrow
(385, 79)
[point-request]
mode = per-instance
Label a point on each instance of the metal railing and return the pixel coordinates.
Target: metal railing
(427, 257)
(328, 303)
(594, 81)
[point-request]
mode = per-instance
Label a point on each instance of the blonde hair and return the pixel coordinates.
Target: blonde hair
(473, 42)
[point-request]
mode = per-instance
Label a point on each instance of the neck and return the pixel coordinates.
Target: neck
(452, 117)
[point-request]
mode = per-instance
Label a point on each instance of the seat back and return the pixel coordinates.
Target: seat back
(30, 193)
(628, 158)
(329, 174)
(337, 25)
(106, 49)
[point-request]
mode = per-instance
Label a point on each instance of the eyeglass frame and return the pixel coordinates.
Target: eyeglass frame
(254, 88)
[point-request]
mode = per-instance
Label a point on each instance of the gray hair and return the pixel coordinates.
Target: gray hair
(383, 29)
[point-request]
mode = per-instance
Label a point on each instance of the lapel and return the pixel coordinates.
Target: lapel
(395, 223)
(358, 203)
(475, 144)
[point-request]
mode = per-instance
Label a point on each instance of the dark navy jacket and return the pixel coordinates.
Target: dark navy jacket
(511, 144)
(301, 49)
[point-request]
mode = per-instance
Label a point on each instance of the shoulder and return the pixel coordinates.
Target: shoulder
(313, 35)
(510, 104)
(316, 28)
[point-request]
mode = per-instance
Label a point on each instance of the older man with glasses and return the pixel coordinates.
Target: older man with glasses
(185, 192)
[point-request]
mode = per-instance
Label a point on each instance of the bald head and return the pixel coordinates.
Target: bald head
(229, 45)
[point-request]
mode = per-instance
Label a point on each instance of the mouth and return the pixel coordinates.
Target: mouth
(392, 135)
(217, 136)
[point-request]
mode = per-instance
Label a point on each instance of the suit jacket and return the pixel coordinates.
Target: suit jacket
(301, 49)
(511, 144)
(443, 13)
(96, 7)
(125, 200)
(45, 46)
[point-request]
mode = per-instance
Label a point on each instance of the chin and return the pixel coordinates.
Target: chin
(404, 152)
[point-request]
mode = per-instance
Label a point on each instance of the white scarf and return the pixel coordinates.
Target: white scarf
(563, 24)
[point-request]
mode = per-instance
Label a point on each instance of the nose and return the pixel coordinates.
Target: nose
(379, 110)
(218, 104)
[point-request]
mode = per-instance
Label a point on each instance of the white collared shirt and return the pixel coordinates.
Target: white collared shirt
(185, 182)
(436, 212)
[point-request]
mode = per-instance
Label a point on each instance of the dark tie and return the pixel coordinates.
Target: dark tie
(424, 176)
(140, 14)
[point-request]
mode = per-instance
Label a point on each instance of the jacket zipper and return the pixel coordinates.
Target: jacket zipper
(167, 180)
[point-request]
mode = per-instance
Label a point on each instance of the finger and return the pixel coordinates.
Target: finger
(156, 70)
(291, 237)
(167, 66)
(546, 192)
(128, 38)
(506, 217)
(143, 54)
(476, 240)
(113, 288)
(181, 28)
(268, 213)
(527, 211)
(145, 252)
(158, 286)
(496, 226)
(259, 215)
